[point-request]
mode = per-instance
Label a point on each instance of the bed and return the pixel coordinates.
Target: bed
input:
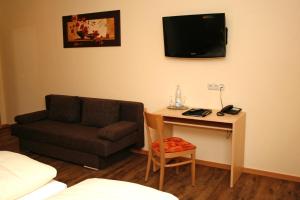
(24, 178)
(105, 189)
(46, 191)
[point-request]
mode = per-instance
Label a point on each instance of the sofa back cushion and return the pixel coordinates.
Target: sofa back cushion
(99, 112)
(63, 108)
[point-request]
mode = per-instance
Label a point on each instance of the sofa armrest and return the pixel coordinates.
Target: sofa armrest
(134, 111)
(116, 131)
(31, 117)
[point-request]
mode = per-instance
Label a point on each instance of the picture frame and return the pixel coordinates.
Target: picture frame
(92, 29)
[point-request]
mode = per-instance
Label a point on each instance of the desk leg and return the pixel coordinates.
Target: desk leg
(237, 150)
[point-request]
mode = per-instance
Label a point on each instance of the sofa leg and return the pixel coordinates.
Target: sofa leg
(92, 168)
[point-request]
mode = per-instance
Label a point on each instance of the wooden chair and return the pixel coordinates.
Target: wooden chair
(164, 149)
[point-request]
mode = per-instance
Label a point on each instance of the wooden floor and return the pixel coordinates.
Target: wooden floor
(211, 183)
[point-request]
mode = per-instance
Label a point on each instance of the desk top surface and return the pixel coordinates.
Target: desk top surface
(227, 118)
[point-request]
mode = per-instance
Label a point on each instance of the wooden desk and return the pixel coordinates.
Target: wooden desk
(235, 124)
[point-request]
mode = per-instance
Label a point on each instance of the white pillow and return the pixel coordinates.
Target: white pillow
(20, 175)
(96, 189)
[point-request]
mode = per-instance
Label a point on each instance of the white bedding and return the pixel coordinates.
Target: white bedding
(45, 191)
(104, 189)
(20, 175)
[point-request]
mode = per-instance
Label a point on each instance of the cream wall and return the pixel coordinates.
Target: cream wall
(1, 94)
(260, 72)
(2, 107)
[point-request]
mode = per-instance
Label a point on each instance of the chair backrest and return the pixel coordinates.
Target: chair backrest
(155, 122)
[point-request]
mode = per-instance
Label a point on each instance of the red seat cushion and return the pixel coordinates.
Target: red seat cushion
(173, 144)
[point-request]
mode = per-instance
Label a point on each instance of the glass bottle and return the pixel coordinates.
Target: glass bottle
(171, 102)
(178, 101)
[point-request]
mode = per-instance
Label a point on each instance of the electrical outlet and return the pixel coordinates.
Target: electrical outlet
(214, 86)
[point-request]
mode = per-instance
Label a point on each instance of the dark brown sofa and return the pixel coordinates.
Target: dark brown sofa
(87, 131)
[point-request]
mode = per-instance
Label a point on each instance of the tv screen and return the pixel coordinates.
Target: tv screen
(195, 36)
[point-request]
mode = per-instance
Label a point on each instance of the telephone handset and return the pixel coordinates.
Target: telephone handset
(229, 109)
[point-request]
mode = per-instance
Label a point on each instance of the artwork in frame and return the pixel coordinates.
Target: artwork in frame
(92, 29)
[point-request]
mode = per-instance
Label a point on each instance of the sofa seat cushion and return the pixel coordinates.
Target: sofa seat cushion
(73, 136)
(64, 108)
(116, 131)
(99, 112)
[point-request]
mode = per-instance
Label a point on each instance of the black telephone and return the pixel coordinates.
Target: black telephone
(229, 109)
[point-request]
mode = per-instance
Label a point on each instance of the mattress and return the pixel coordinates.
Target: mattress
(45, 191)
(98, 189)
(20, 175)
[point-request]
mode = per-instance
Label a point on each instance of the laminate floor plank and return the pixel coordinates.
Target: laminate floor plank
(211, 183)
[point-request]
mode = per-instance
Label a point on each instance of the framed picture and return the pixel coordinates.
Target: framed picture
(92, 29)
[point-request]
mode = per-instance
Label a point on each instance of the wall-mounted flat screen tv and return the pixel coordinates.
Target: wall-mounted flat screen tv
(195, 36)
